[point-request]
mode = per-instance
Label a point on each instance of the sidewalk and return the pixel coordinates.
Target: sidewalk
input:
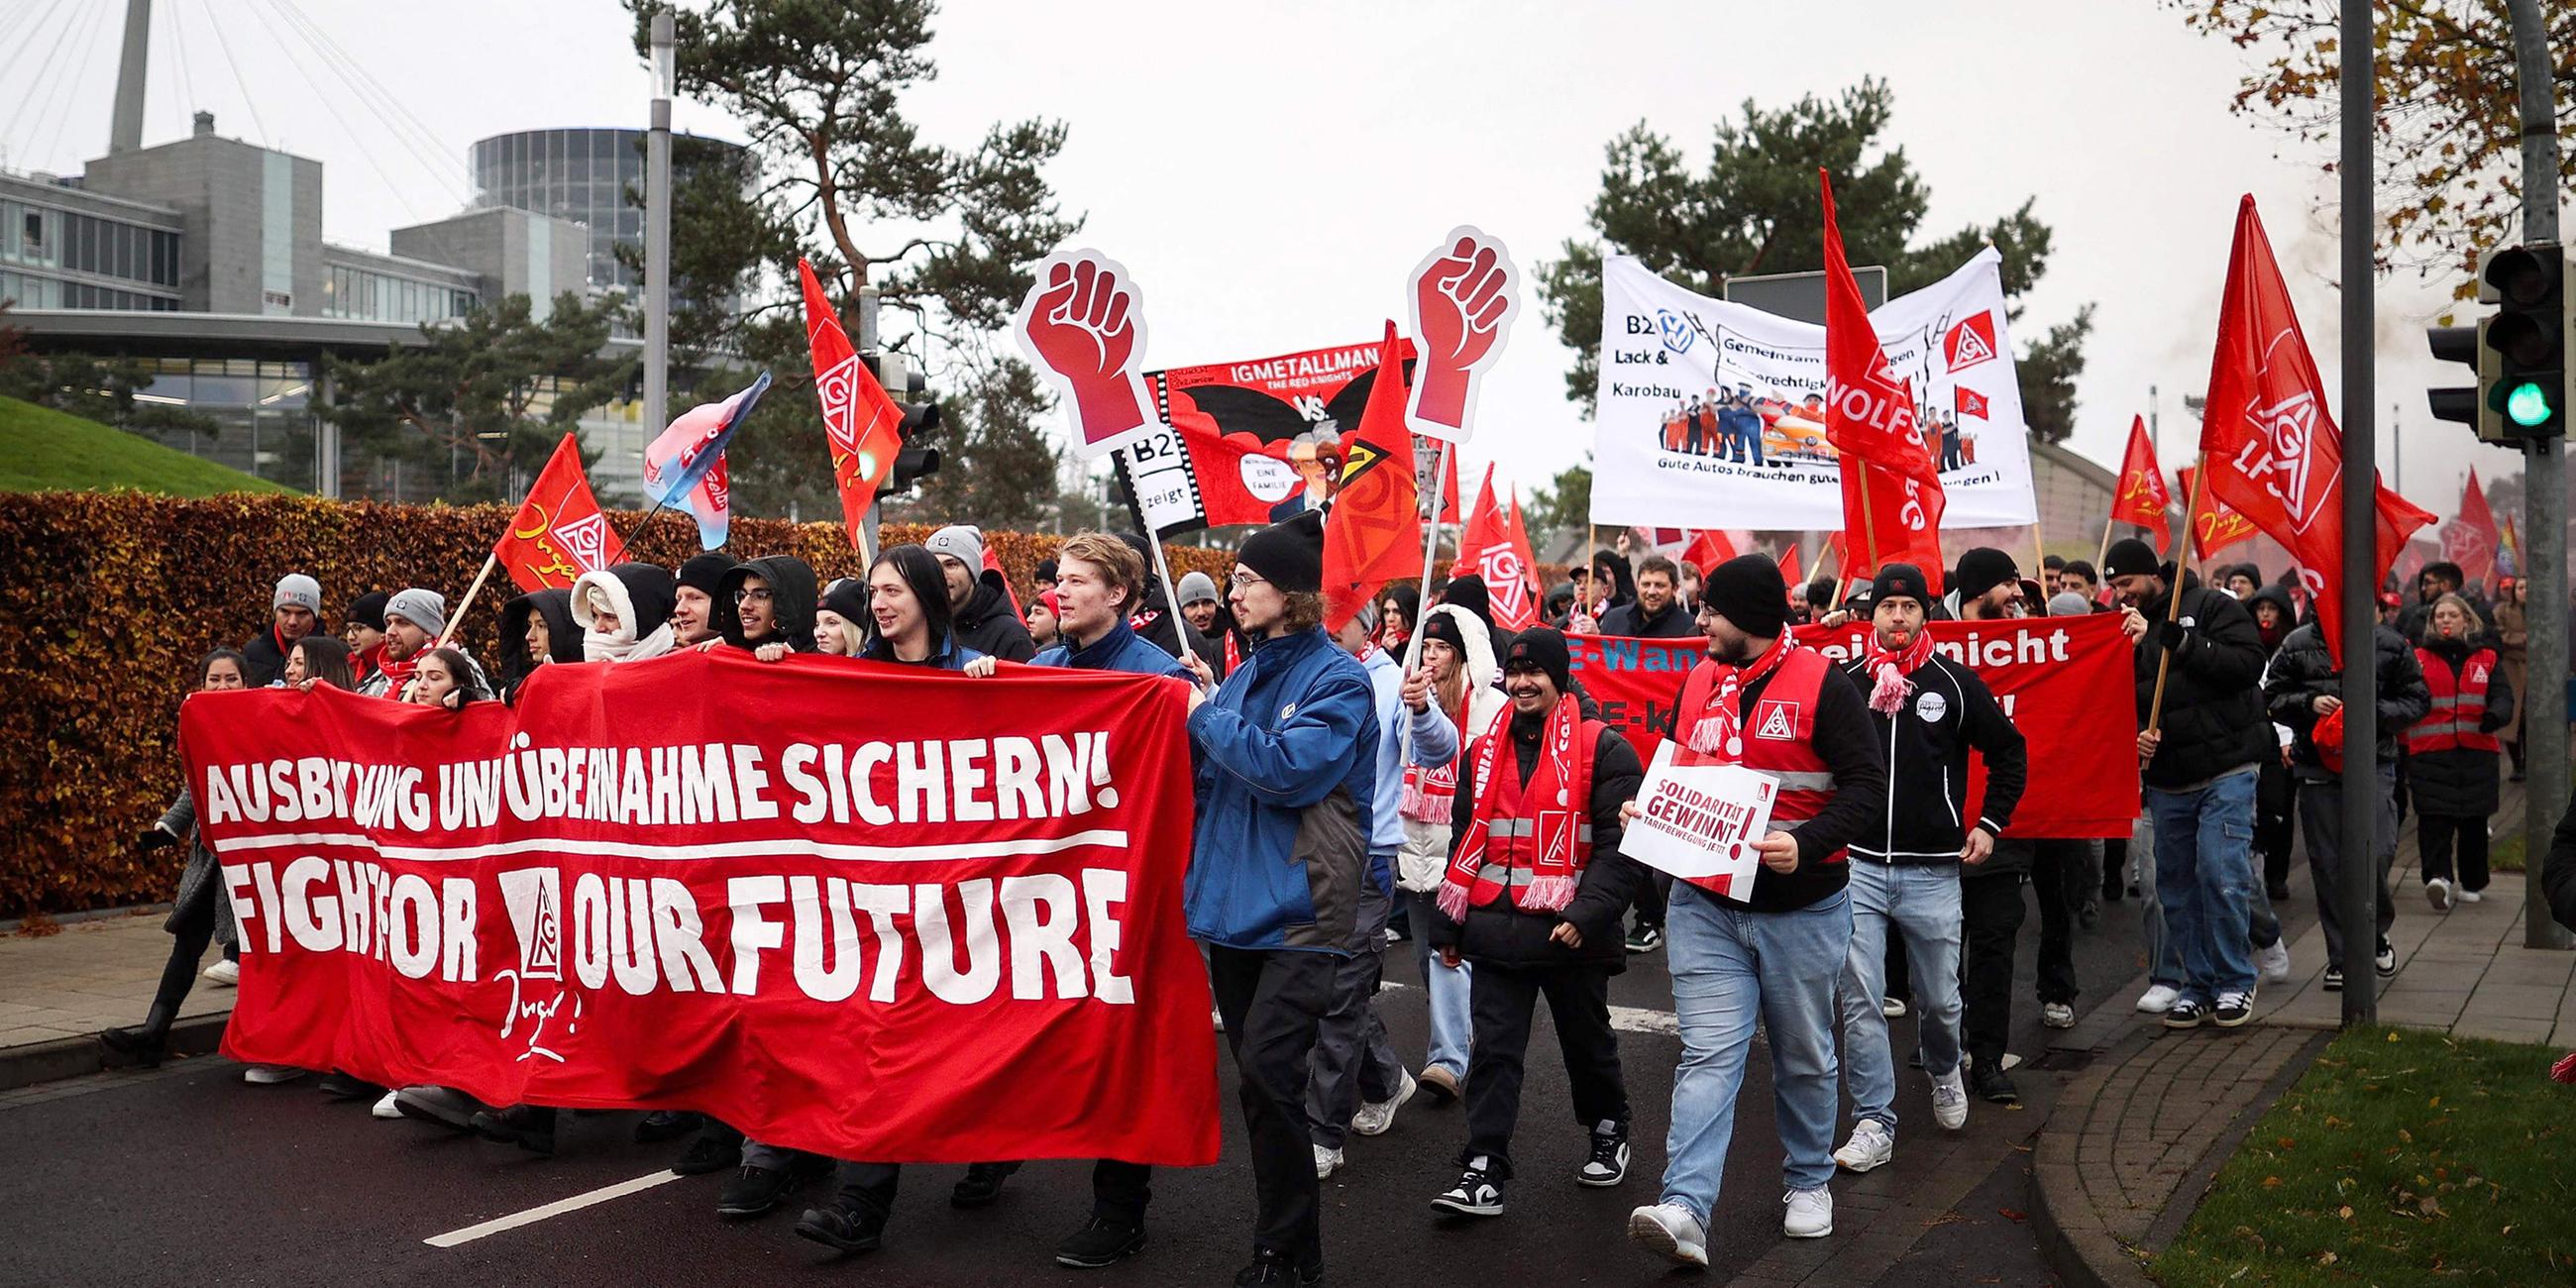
(2122, 1162)
(57, 991)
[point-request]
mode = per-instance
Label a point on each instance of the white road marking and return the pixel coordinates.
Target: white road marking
(1626, 1019)
(496, 1225)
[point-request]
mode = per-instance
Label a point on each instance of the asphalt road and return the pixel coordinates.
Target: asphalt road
(188, 1176)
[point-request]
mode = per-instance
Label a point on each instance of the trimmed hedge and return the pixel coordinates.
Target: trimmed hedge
(109, 599)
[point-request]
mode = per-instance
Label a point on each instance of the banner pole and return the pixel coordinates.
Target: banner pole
(457, 618)
(2104, 557)
(1171, 597)
(1868, 523)
(2039, 552)
(1430, 550)
(2173, 607)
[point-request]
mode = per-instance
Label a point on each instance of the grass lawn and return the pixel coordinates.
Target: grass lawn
(46, 450)
(2400, 1157)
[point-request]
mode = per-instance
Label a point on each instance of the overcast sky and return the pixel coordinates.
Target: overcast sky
(1271, 172)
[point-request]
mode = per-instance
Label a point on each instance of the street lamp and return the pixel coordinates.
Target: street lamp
(657, 233)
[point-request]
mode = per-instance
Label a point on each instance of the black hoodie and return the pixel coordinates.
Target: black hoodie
(563, 637)
(791, 602)
(987, 625)
(1623, 583)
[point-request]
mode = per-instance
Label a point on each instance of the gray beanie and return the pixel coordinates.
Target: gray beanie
(1195, 587)
(426, 609)
(2067, 603)
(300, 590)
(960, 542)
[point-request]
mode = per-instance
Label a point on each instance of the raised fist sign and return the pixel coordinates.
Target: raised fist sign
(1464, 297)
(1083, 325)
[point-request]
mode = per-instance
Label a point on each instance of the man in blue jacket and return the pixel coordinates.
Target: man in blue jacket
(1286, 756)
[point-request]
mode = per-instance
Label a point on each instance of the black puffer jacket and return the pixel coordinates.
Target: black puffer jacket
(1506, 936)
(2213, 714)
(2462, 782)
(2304, 669)
(792, 596)
(987, 625)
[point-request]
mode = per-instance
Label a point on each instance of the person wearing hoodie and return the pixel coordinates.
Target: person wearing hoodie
(979, 601)
(1657, 613)
(1471, 595)
(1286, 775)
(841, 620)
(624, 612)
(2453, 754)
(1453, 649)
(1357, 1082)
(2302, 688)
(767, 601)
(1612, 584)
(693, 603)
(2276, 792)
(1537, 915)
(537, 629)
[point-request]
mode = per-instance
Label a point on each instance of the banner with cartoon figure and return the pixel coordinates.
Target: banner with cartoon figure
(1712, 415)
(1251, 441)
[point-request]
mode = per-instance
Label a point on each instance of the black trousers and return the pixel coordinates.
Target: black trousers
(2115, 867)
(192, 927)
(2061, 874)
(2433, 836)
(1505, 1002)
(2276, 813)
(1651, 896)
(1272, 1003)
(1991, 913)
(1120, 1191)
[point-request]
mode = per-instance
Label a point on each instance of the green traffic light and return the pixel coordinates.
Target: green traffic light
(2527, 404)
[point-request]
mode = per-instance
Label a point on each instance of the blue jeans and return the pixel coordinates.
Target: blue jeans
(1922, 902)
(1453, 1023)
(2204, 879)
(1730, 965)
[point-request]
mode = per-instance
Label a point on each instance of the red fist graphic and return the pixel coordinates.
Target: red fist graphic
(1463, 302)
(1082, 323)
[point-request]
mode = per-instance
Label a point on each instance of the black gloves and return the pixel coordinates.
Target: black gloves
(154, 838)
(2167, 635)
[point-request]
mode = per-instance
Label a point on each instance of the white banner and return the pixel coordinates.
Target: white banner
(1712, 414)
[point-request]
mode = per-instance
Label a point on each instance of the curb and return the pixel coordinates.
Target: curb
(26, 1066)
(2087, 1256)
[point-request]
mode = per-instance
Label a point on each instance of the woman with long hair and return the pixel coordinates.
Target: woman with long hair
(840, 622)
(445, 677)
(1454, 646)
(908, 606)
(320, 659)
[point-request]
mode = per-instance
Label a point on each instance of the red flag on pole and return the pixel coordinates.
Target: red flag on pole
(2273, 452)
(862, 424)
(1520, 544)
(1972, 403)
(2214, 526)
(2142, 498)
(558, 533)
(1493, 548)
(1900, 522)
(2472, 540)
(1708, 548)
(1373, 533)
(1789, 568)
(1869, 412)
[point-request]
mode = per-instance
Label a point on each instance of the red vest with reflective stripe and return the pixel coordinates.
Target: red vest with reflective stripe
(2459, 703)
(1521, 829)
(1779, 733)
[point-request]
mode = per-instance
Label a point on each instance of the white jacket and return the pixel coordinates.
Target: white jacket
(1426, 844)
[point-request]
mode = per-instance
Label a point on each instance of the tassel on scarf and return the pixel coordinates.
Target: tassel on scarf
(1453, 901)
(1887, 697)
(1547, 894)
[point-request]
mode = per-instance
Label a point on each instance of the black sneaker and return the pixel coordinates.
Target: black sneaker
(2089, 914)
(1274, 1268)
(2186, 1014)
(1477, 1193)
(847, 1224)
(1645, 939)
(1609, 1162)
(2233, 1009)
(1991, 1084)
(664, 1124)
(2334, 979)
(345, 1086)
(529, 1127)
(708, 1154)
(138, 1044)
(1100, 1242)
(755, 1190)
(981, 1184)
(2385, 959)
(2279, 891)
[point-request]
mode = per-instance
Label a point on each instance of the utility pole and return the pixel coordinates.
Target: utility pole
(657, 233)
(2362, 792)
(868, 303)
(2544, 499)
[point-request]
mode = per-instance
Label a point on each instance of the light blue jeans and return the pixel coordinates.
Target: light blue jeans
(1730, 966)
(1453, 1023)
(2204, 880)
(1922, 901)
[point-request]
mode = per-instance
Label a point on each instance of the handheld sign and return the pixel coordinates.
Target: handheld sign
(1699, 818)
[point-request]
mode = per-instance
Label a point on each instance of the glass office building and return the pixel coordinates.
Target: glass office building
(582, 175)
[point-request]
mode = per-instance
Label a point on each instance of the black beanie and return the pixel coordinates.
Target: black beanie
(1901, 579)
(1288, 555)
(2130, 557)
(848, 596)
(1982, 569)
(1444, 628)
(702, 572)
(368, 610)
(1749, 592)
(1544, 648)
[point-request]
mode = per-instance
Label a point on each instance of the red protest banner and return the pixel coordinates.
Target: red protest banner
(2065, 681)
(961, 939)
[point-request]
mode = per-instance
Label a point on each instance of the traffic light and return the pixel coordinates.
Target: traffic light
(2467, 344)
(2529, 337)
(914, 462)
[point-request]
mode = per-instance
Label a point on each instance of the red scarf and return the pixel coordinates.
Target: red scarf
(1720, 728)
(1889, 667)
(1555, 862)
(1428, 793)
(397, 674)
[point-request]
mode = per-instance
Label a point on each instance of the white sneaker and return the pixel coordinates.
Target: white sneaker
(224, 972)
(1892, 1008)
(1374, 1117)
(1871, 1145)
(1949, 1104)
(385, 1107)
(2057, 1015)
(2438, 893)
(1327, 1162)
(2274, 961)
(1811, 1213)
(1219, 1018)
(1669, 1230)
(269, 1075)
(2158, 999)
(2472, 896)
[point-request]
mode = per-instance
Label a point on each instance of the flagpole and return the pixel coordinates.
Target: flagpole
(1430, 549)
(1868, 523)
(2039, 551)
(2173, 607)
(457, 618)
(1171, 597)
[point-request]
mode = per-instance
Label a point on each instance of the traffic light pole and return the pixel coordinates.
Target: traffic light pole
(2544, 499)
(2358, 893)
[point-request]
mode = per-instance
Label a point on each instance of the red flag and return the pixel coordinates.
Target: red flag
(1449, 490)
(2142, 498)
(1374, 533)
(1972, 403)
(1708, 548)
(2272, 450)
(1869, 413)
(1901, 522)
(1494, 549)
(862, 424)
(1789, 568)
(993, 564)
(558, 533)
(2214, 526)
(2471, 540)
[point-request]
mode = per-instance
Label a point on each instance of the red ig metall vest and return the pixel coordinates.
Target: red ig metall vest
(1778, 733)
(2459, 703)
(1523, 829)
